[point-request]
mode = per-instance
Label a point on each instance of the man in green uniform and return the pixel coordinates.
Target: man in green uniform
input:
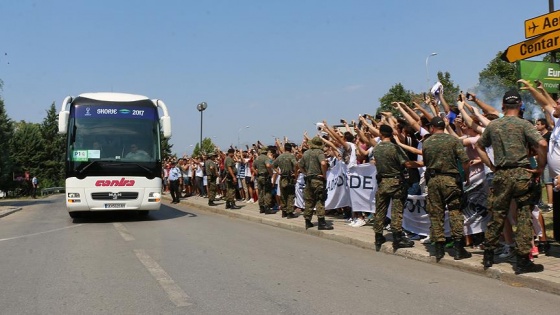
(262, 169)
(286, 166)
(390, 161)
(314, 165)
(511, 137)
(212, 174)
(231, 180)
(442, 154)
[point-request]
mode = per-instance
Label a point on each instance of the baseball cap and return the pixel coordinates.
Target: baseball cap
(437, 122)
(512, 97)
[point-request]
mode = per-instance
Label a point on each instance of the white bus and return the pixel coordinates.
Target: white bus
(113, 154)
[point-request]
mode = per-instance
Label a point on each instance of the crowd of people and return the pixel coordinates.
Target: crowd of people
(455, 156)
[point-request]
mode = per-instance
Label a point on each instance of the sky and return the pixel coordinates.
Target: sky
(276, 66)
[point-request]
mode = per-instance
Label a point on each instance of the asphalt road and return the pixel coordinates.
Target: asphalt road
(182, 261)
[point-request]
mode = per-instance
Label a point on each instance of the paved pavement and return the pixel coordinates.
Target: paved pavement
(548, 281)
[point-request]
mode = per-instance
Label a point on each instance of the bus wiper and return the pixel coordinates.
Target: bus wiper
(83, 169)
(148, 171)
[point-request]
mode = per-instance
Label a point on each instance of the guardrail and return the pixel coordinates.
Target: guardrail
(52, 190)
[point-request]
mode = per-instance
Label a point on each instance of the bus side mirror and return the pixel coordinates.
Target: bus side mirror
(63, 122)
(166, 126)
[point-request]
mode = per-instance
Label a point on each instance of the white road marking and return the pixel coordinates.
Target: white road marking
(39, 233)
(123, 232)
(174, 292)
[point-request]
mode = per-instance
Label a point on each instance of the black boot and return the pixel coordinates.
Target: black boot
(323, 225)
(460, 251)
(379, 240)
(308, 224)
(488, 258)
(284, 214)
(211, 203)
(233, 206)
(267, 210)
(228, 205)
(440, 250)
(524, 265)
(261, 209)
(291, 216)
(400, 241)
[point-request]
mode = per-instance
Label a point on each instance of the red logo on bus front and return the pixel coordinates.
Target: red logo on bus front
(114, 182)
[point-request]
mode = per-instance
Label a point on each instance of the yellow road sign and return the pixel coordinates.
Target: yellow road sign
(532, 47)
(542, 24)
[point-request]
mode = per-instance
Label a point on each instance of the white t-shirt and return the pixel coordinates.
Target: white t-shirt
(553, 156)
(199, 171)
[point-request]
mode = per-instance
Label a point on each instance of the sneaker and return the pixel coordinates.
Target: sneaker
(387, 227)
(426, 240)
(531, 256)
(507, 252)
(352, 222)
(535, 252)
(359, 222)
(251, 201)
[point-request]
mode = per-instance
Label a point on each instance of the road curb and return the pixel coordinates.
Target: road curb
(497, 272)
(9, 211)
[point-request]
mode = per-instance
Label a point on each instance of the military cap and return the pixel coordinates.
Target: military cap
(316, 143)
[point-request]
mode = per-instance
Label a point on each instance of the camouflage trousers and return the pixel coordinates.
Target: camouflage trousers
(287, 194)
(389, 188)
(212, 188)
(265, 191)
(230, 190)
(442, 191)
(314, 195)
(512, 184)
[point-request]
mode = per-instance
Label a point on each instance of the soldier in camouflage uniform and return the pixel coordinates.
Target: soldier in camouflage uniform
(286, 166)
(390, 161)
(231, 180)
(212, 174)
(262, 169)
(314, 165)
(510, 138)
(441, 153)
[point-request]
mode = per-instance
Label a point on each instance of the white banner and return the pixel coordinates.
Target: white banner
(362, 186)
(475, 209)
(300, 185)
(337, 189)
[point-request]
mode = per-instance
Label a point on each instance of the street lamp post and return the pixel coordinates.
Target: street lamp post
(427, 72)
(201, 107)
(238, 131)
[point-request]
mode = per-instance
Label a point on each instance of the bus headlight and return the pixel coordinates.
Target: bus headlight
(154, 197)
(73, 197)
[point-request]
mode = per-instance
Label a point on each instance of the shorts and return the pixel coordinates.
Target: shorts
(249, 182)
(546, 178)
(186, 180)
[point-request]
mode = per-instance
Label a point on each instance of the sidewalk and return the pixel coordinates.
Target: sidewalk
(548, 280)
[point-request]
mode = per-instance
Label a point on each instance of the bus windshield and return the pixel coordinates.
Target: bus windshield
(103, 136)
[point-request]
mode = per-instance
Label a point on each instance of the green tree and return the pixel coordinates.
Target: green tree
(207, 147)
(51, 171)
(165, 147)
(397, 93)
(494, 80)
(25, 145)
(6, 161)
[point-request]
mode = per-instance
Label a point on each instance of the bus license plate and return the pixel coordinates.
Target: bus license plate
(114, 205)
